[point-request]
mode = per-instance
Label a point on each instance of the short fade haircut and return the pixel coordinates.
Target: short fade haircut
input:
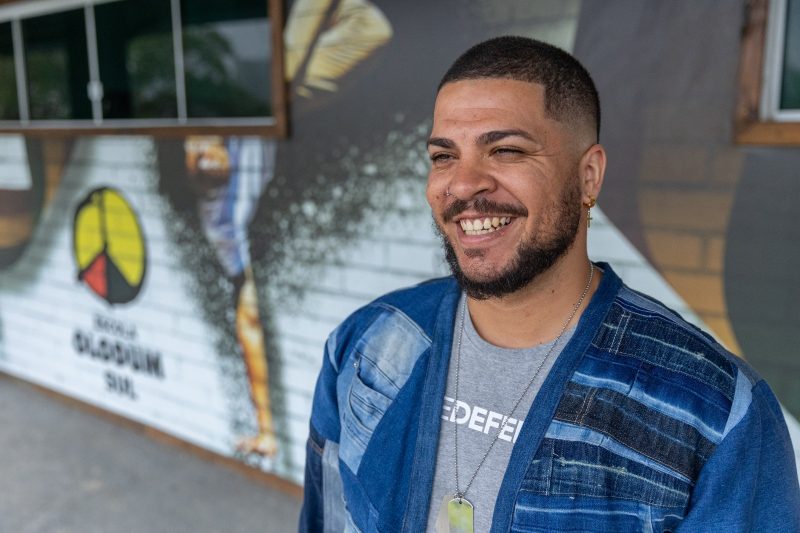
(569, 93)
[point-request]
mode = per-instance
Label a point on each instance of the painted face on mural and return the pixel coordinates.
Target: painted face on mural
(503, 185)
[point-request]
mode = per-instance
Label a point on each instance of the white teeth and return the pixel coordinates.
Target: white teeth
(481, 226)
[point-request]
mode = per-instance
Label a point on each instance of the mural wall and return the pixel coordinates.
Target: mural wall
(190, 283)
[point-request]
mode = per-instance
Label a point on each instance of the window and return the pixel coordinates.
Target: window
(222, 58)
(781, 95)
(9, 106)
(136, 60)
(768, 111)
(155, 66)
(56, 66)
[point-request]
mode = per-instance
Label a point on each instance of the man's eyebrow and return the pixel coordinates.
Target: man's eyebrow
(493, 136)
(483, 139)
(441, 142)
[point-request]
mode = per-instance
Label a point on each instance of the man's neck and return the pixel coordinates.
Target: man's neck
(536, 313)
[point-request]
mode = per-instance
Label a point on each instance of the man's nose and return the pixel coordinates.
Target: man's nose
(470, 179)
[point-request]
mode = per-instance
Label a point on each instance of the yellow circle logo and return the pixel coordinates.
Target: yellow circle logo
(109, 246)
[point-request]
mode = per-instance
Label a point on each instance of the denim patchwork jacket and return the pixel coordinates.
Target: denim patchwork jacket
(643, 424)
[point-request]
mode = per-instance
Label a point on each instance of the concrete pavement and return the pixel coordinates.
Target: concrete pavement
(64, 469)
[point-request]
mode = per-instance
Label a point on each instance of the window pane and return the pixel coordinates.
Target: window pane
(9, 108)
(57, 66)
(790, 84)
(227, 58)
(137, 64)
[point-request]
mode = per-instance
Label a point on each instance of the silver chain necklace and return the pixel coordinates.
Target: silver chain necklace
(460, 496)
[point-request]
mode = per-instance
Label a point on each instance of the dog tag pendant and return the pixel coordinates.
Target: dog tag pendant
(455, 516)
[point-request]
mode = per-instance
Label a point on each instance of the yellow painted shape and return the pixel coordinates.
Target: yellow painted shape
(88, 237)
(125, 242)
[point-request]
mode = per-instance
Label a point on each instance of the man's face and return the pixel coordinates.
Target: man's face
(514, 202)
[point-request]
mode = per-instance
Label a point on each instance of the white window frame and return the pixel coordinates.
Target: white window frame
(774, 45)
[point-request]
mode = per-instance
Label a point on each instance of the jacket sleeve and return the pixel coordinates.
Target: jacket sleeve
(312, 519)
(323, 506)
(750, 482)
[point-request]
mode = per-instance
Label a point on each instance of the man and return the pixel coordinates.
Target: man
(532, 390)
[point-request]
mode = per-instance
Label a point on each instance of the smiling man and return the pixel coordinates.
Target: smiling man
(532, 390)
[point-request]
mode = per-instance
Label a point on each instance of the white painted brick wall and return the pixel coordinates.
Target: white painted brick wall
(42, 303)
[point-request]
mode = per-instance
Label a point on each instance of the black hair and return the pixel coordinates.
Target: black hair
(569, 92)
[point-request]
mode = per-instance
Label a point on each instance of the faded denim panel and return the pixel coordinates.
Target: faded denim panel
(333, 504)
(389, 349)
(671, 442)
(366, 408)
(312, 516)
(349, 526)
(741, 402)
(383, 359)
(648, 305)
(564, 468)
(536, 513)
(668, 393)
(655, 340)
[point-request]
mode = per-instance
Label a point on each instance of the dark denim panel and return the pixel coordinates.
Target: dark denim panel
(569, 468)
(312, 519)
(661, 438)
(654, 339)
(601, 365)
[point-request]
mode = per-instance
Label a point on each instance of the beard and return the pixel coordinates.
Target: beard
(534, 256)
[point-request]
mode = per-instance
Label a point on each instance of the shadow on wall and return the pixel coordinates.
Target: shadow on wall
(762, 268)
(32, 171)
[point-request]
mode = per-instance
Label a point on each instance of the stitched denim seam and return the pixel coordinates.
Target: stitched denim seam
(676, 370)
(364, 403)
(642, 452)
(589, 400)
(377, 368)
(663, 324)
(618, 470)
(351, 395)
(550, 492)
(619, 332)
(314, 446)
(354, 434)
(587, 403)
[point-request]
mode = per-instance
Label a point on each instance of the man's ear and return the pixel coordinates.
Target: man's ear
(592, 169)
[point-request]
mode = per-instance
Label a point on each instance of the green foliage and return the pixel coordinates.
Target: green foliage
(212, 85)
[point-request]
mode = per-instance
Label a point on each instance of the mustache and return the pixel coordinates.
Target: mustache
(483, 206)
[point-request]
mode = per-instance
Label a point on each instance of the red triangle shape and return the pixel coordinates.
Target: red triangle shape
(95, 276)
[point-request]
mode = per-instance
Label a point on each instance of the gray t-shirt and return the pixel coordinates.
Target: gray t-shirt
(491, 380)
